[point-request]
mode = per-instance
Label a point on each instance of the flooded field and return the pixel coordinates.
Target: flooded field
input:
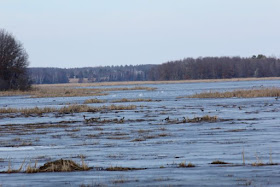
(145, 137)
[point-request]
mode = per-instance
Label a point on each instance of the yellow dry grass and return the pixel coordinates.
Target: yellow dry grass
(131, 100)
(65, 110)
(54, 91)
(88, 101)
(184, 165)
(206, 118)
(57, 90)
(268, 92)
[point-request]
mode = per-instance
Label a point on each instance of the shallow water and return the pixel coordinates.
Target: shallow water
(146, 140)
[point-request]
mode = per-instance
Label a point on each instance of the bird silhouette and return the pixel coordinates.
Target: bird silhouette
(121, 120)
(86, 120)
(167, 119)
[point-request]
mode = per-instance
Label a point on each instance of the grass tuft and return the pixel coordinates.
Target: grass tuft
(184, 165)
(203, 118)
(88, 101)
(219, 162)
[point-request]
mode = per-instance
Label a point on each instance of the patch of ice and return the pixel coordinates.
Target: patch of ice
(28, 148)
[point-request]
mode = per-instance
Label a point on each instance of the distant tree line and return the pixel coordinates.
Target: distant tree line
(189, 68)
(48, 75)
(217, 68)
(90, 74)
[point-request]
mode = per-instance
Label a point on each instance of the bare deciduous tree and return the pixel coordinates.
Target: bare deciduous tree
(13, 63)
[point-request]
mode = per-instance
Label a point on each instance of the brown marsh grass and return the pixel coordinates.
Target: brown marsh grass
(268, 92)
(39, 91)
(219, 162)
(59, 166)
(88, 101)
(132, 100)
(202, 119)
(64, 90)
(48, 91)
(184, 165)
(64, 110)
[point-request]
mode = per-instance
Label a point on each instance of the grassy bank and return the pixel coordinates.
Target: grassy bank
(268, 92)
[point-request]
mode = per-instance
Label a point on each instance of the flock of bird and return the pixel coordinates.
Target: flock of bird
(90, 120)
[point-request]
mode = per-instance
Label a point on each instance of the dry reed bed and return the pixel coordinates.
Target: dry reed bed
(88, 101)
(132, 100)
(268, 92)
(64, 110)
(40, 91)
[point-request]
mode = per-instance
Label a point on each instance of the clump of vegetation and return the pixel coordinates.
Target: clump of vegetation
(10, 170)
(55, 166)
(268, 92)
(259, 162)
(28, 111)
(219, 162)
(59, 166)
(132, 100)
(93, 101)
(206, 118)
(63, 166)
(184, 165)
(121, 107)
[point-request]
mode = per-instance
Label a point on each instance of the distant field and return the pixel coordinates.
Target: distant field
(75, 82)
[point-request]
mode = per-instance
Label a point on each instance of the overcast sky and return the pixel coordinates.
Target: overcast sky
(71, 33)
